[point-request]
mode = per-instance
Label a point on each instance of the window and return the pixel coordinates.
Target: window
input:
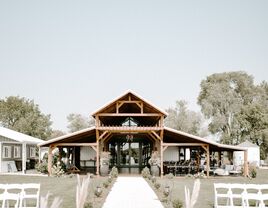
(32, 152)
(129, 121)
(17, 151)
(6, 151)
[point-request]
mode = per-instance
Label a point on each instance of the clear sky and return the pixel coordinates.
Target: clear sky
(75, 56)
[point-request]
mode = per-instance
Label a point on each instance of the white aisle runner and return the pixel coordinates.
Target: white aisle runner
(132, 192)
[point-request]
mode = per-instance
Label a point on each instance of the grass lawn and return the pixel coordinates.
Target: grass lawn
(63, 187)
(206, 194)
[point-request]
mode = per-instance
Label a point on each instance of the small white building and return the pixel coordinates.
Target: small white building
(253, 154)
(17, 150)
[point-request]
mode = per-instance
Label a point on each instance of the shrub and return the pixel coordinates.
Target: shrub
(114, 172)
(170, 176)
(98, 192)
(157, 185)
(145, 172)
(153, 179)
(252, 171)
(177, 203)
(105, 184)
(42, 167)
(166, 191)
(110, 179)
(57, 170)
(88, 205)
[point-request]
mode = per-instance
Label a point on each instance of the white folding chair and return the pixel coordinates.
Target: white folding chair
(11, 195)
(236, 194)
(222, 191)
(253, 200)
(30, 195)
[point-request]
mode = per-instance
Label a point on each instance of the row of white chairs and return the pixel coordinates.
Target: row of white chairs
(26, 195)
(240, 195)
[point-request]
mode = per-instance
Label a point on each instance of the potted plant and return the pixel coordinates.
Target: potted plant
(104, 163)
(154, 162)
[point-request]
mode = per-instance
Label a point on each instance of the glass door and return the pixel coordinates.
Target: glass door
(134, 154)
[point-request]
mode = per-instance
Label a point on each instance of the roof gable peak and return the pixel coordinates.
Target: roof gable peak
(129, 96)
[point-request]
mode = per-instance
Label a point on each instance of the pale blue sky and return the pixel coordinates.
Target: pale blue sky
(75, 56)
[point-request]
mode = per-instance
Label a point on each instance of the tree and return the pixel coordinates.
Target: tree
(78, 122)
(254, 119)
(236, 108)
(183, 119)
(23, 115)
(57, 133)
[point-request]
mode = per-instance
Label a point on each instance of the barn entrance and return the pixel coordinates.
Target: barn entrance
(130, 155)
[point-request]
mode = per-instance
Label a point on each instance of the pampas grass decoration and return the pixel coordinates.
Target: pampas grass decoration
(55, 204)
(191, 200)
(81, 191)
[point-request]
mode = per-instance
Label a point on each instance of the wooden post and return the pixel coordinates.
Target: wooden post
(1, 157)
(208, 160)
(161, 159)
(98, 147)
(161, 146)
(39, 154)
(49, 160)
(246, 163)
(206, 148)
(24, 157)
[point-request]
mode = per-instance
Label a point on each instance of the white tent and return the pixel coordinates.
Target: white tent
(253, 154)
(11, 136)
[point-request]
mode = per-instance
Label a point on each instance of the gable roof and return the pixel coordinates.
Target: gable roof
(65, 137)
(247, 144)
(129, 92)
(203, 140)
(19, 137)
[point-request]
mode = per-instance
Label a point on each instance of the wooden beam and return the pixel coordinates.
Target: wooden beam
(49, 160)
(127, 129)
(119, 105)
(107, 136)
(206, 148)
(117, 109)
(98, 148)
(156, 135)
(246, 173)
(130, 114)
(153, 137)
(164, 148)
(182, 144)
(102, 135)
(75, 144)
(161, 159)
(161, 147)
(94, 148)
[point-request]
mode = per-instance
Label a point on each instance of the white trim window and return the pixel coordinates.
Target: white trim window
(32, 152)
(6, 151)
(17, 151)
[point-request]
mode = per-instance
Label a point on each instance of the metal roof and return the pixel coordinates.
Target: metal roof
(19, 137)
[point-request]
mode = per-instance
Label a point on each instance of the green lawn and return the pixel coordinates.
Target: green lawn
(63, 187)
(206, 194)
